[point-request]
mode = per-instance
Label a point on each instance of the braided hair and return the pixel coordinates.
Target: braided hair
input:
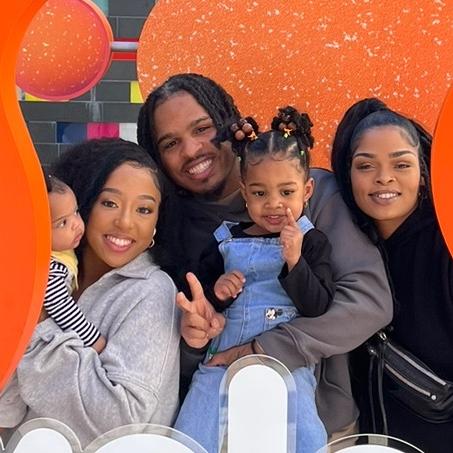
(211, 96)
(365, 115)
(289, 138)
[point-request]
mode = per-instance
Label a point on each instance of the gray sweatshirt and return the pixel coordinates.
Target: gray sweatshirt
(133, 380)
(362, 303)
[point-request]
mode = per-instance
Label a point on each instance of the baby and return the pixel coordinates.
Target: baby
(67, 231)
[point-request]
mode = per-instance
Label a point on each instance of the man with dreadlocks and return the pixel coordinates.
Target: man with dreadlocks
(178, 125)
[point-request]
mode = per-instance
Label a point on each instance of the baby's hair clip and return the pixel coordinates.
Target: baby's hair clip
(302, 153)
(287, 132)
(252, 136)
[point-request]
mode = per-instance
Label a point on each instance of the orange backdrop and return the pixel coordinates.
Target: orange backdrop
(25, 225)
(319, 55)
(397, 50)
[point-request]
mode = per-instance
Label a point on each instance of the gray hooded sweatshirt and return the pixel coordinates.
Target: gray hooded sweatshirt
(134, 379)
(362, 303)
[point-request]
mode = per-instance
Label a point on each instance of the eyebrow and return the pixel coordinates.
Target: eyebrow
(59, 219)
(392, 155)
(118, 192)
(283, 184)
(64, 216)
(192, 124)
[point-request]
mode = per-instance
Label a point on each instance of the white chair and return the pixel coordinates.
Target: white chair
(144, 438)
(369, 443)
(44, 435)
(257, 410)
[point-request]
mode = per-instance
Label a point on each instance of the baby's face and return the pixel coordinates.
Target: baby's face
(67, 225)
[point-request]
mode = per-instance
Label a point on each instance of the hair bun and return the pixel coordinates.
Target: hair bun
(289, 121)
(239, 133)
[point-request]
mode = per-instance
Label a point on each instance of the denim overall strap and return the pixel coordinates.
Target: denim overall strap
(305, 224)
(223, 232)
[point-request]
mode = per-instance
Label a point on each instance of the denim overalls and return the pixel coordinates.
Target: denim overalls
(261, 306)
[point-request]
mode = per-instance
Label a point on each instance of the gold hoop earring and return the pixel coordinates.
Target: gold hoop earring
(152, 240)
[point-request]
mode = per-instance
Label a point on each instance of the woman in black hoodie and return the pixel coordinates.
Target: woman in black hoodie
(381, 162)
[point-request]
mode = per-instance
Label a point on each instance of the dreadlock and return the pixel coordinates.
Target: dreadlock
(211, 96)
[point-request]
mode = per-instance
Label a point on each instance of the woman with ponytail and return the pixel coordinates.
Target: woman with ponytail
(381, 161)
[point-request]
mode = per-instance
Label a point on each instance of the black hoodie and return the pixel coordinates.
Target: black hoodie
(420, 268)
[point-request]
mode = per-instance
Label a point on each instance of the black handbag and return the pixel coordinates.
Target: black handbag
(416, 386)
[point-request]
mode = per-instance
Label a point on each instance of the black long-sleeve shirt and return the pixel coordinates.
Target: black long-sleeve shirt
(309, 284)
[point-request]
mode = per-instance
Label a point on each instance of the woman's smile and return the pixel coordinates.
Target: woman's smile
(385, 177)
(385, 198)
(118, 244)
(123, 219)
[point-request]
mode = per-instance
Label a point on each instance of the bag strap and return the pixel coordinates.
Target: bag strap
(370, 391)
(381, 363)
(376, 369)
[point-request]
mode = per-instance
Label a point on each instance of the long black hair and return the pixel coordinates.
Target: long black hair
(361, 117)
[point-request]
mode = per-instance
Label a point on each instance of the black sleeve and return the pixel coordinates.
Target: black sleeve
(310, 283)
(189, 360)
(210, 269)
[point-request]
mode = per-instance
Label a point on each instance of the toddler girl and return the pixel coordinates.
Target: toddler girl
(273, 269)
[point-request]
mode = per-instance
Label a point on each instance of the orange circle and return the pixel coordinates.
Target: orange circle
(321, 55)
(65, 51)
(441, 170)
(25, 225)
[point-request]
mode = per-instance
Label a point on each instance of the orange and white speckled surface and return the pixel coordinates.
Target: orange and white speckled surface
(65, 51)
(320, 55)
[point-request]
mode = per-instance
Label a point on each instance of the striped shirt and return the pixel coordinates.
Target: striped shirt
(63, 309)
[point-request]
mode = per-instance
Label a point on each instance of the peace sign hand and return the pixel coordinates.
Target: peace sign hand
(199, 322)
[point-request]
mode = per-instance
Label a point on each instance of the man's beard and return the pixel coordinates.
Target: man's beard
(215, 193)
